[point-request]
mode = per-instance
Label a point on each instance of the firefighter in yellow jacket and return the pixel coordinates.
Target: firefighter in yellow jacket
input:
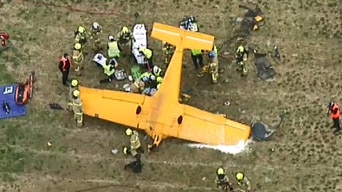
(222, 180)
(135, 145)
(77, 57)
(80, 35)
(125, 38)
(95, 33)
(168, 51)
(241, 56)
(77, 108)
(243, 181)
(113, 49)
(148, 54)
(73, 86)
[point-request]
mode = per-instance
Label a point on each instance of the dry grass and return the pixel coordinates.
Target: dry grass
(306, 157)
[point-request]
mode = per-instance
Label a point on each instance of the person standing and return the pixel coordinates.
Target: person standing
(64, 67)
(197, 58)
(334, 112)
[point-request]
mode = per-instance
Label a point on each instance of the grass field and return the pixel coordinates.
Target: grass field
(306, 156)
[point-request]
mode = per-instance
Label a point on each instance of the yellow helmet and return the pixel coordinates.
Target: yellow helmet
(220, 171)
(77, 46)
(239, 176)
(81, 29)
(76, 93)
(74, 83)
(124, 29)
(128, 132)
(240, 49)
(158, 86)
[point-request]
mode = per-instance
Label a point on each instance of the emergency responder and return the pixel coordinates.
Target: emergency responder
(212, 66)
(137, 87)
(113, 48)
(147, 77)
(243, 181)
(95, 33)
(148, 54)
(77, 57)
(125, 38)
(153, 82)
(136, 165)
(222, 180)
(135, 145)
(241, 55)
(64, 67)
(334, 112)
(109, 70)
(197, 58)
(77, 108)
(80, 35)
(168, 51)
(73, 86)
(157, 71)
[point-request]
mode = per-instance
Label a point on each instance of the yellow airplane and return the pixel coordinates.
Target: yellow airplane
(162, 116)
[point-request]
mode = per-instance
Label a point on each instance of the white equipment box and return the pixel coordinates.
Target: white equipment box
(140, 36)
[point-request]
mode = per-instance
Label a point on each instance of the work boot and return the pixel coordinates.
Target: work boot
(79, 124)
(336, 131)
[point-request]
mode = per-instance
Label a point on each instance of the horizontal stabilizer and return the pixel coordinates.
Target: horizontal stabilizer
(182, 39)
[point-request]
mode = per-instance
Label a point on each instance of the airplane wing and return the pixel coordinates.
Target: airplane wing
(115, 106)
(204, 127)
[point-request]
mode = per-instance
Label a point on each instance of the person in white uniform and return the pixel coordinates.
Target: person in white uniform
(100, 59)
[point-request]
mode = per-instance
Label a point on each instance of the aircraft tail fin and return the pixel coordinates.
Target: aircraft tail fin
(181, 38)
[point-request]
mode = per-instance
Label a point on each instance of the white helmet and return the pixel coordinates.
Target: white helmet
(96, 26)
(152, 77)
(156, 70)
(111, 38)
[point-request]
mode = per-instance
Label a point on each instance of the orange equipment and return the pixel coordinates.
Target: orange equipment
(24, 91)
(4, 40)
(161, 115)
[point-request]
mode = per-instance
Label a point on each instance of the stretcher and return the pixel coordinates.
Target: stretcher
(24, 91)
(140, 37)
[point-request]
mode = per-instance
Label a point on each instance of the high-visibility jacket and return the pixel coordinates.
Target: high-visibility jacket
(168, 49)
(80, 37)
(77, 106)
(113, 49)
(147, 53)
(145, 77)
(71, 90)
(196, 51)
(135, 141)
(337, 114)
(159, 80)
(215, 51)
(108, 70)
(77, 56)
(241, 49)
(125, 37)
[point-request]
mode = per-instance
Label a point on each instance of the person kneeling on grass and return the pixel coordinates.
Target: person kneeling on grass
(109, 70)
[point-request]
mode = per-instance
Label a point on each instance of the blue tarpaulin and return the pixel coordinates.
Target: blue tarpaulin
(7, 96)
